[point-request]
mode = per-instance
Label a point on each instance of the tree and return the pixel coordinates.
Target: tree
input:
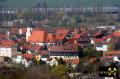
(60, 61)
(91, 52)
(112, 45)
(80, 52)
(60, 71)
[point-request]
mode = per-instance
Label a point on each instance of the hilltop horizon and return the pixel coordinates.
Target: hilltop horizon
(56, 3)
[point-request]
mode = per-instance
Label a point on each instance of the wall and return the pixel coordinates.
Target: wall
(6, 52)
(103, 48)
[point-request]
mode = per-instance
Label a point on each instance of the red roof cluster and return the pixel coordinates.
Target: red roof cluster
(113, 53)
(116, 34)
(7, 43)
(28, 56)
(23, 30)
(38, 36)
(74, 61)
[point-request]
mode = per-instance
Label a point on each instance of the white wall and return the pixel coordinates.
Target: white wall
(28, 33)
(6, 52)
(103, 48)
(64, 57)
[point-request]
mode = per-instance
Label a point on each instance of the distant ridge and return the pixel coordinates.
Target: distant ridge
(57, 3)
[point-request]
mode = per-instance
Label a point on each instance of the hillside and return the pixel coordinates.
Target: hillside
(57, 3)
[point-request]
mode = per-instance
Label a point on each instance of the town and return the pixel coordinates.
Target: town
(59, 43)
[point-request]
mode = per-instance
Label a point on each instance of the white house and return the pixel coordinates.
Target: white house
(18, 59)
(6, 52)
(102, 48)
(101, 44)
(53, 62)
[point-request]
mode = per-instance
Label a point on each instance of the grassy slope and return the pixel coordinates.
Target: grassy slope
(54, 3)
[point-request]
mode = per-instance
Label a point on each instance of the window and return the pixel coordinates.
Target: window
(99, 45)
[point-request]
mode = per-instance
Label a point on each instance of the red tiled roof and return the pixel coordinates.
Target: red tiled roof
(113, 53)
(7, 43)
(14, 30)
(60, 37)
(3, 35)
(28, 56)
(43, 52)
(37, 47)
(106, 37)
(51, 38)
(24, 30)
(26, 46)
(38, 36)
(108, 56)
(63, 31)
(97, 40)
(74, 61)
(56, 48)
(60, 48)
(117, 34)
(77, 36)
(96, 34)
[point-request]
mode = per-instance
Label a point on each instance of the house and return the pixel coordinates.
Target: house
(101, 40)
(60, 34)
(68, 53)
(7, 48)
(37, 37)
(99, 45)
(17, 59)
(84, 40)
(8, 52)
(26, 63)
(21, 60)
(23, 30)
(53, 62)
(112, 53)
(51, 39)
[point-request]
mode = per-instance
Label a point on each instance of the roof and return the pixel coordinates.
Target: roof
(60, 48)
(14, 30)
(37, 47)
(61, 37)
(38, 36)
(116, 34)
(51, 38)
(43, 52)
(24, 30)
(77, 36)
(97, 40)
(106, 37)
(3, 35)
(60, 33)
(113, 53)
(96, 34)
(7, 43)
(74, 61)
(28, 56)
(63, 31)
(108, 56)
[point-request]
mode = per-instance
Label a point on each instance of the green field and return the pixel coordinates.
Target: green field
(58, 3)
